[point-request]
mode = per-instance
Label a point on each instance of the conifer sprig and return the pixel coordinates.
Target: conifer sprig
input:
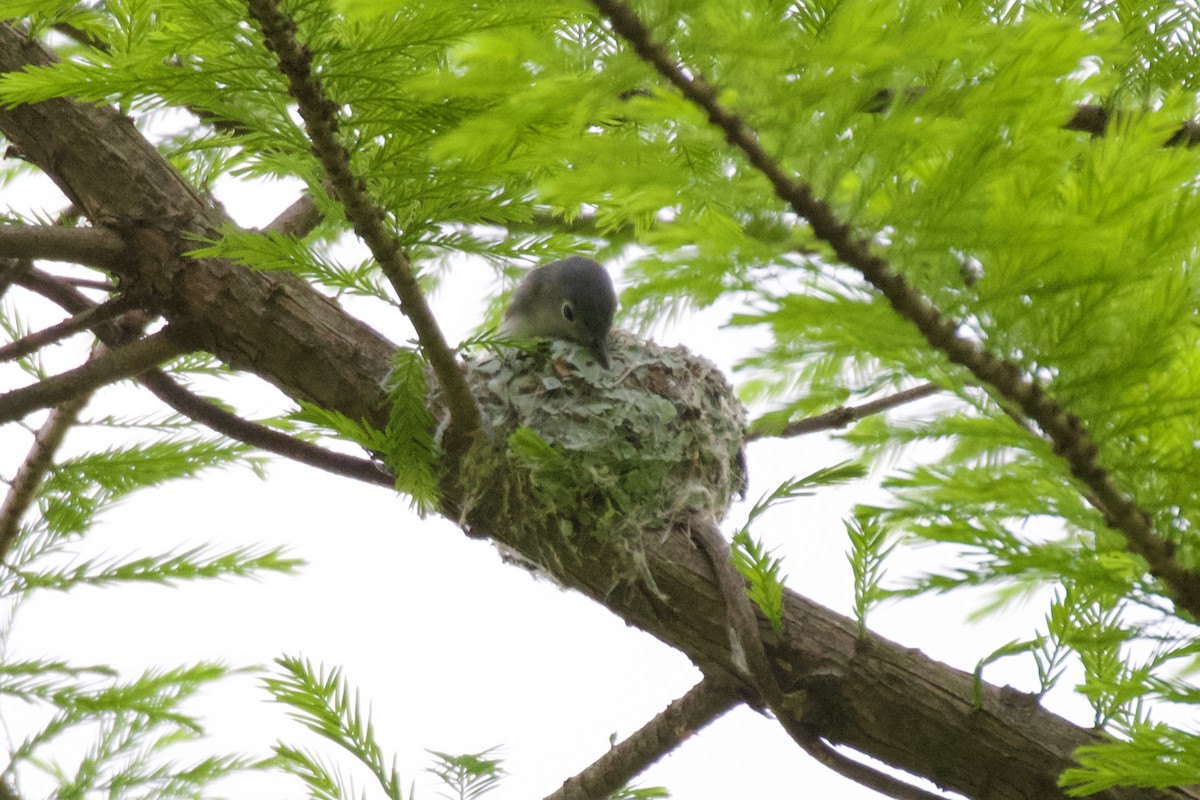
(322, 701)
(1071, 439)
(369, 220)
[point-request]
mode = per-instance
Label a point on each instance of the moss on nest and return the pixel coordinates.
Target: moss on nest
(603, 454)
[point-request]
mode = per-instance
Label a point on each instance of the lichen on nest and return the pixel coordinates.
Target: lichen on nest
(610, 454)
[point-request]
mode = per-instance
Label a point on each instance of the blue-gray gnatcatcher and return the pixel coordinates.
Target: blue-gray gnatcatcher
(571, 299)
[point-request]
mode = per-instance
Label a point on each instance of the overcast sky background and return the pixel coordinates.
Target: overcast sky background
(451, 649)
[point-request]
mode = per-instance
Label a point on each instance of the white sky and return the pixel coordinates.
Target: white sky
(453, 650)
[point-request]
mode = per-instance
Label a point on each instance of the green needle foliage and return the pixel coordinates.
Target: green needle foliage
(135, 728)
(271, 251)
(869, 546)
(322, 702)
(469, 775)
(170, 569)
(140, 735)
(761, 570)
(410, 453)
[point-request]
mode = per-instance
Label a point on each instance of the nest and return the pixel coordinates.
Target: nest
(606, 455)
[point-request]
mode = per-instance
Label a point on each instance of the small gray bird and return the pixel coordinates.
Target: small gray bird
(571, 299)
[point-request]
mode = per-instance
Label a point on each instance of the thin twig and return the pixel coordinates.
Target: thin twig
(55, 289)
(207, 413)
(704, 703)
(321, 123)
(842, 416)
(1086, 118)
(49, 437)
(109, 367)
(87, 283)
(260, 436)
(1095, 119)
(23, 489)
(92, 247)
(68, 327)
(1070, 438)
(81, 36)
(10, 268)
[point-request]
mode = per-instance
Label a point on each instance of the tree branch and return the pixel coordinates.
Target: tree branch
(1095, 119)
(842, 416)
(109, 367)
(321, 123)
(757, 668)
(260, 436)
(205, 412)
(1087, 117)
(1070, 438)
(685, 716)
(23, 490)
(87, 283)
(81, 36)
(892, 703)
(88, 318)
(49, 438)
(10, 269)
(56, 290)
(93, 247)
(299, 219)
(269, 324)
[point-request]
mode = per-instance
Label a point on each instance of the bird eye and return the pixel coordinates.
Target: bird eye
(568, 311)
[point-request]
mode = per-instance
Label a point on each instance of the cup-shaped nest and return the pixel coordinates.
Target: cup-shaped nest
(608, 454)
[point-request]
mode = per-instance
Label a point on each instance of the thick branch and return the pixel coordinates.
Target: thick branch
(320, 120)
(109, 367)
(889, 702)
(761, 674)
(1070, 438)
(93, 247)
(704, 702)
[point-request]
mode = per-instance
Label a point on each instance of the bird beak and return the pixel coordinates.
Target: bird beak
(599, 351)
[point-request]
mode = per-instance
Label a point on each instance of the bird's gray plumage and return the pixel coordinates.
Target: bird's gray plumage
(571, 299)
